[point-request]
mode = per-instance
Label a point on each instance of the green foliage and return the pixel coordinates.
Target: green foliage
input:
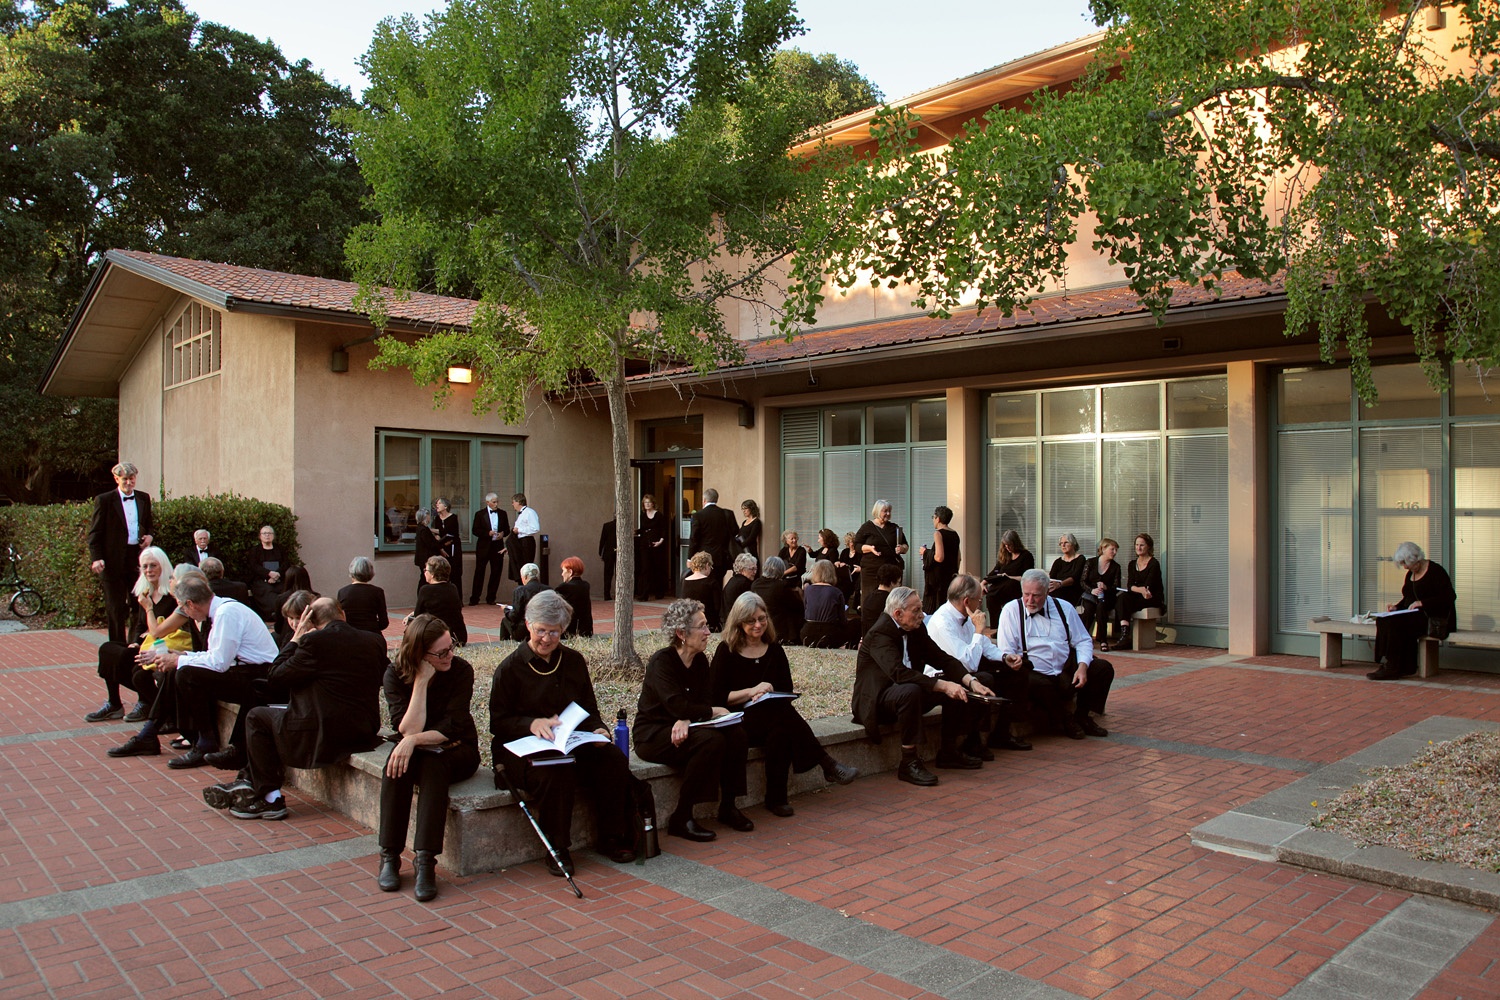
(828, 87)
(1353, 162)
(53, 543)
(134, 125)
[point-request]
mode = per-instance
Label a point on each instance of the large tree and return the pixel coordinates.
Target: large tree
(605, 177)
(1333, 143)
(135, 125)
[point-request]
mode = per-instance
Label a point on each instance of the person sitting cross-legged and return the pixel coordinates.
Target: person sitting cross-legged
(1049, 635)
(330, 672)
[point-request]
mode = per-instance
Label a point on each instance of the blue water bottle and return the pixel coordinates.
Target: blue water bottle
(622, 734)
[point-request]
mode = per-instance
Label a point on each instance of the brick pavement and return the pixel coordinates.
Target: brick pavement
(1066, 871)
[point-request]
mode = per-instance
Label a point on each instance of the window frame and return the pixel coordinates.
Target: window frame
(425, 493)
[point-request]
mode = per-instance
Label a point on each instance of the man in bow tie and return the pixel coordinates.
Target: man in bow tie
(1048, 634)
(119, 529)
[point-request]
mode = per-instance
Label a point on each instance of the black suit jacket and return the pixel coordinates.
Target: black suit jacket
(516, 616)
(333, 676)
(191, 556)
(481, 531)
(231, 589)
(880, 666)
(713, 528)
(107, 533)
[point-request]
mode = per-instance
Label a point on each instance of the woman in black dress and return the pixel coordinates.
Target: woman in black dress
(1429, 590)
(702, 585)
(1145, 588)
(794, 554)
(1101, 583)
(782, 598)
(151, 619)
(532, 686)
(439, 597)
(450, 535)
(267, 566)
(1067, 570)
(1003, 584)
(878, 542)
(427, 544)
(651, 540)
(362, 601)
(749, 664)
(826, 625)
(428, 691)
(828, 548)
(575, 590)
(675, 694)
(748, 537)
(940, 562)
(847, 565)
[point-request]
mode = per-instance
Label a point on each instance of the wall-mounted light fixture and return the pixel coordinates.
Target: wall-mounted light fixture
(339, 360)
(460, 374)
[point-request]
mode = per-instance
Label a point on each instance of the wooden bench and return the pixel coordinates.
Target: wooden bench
(1331, 632)
(1143, 628)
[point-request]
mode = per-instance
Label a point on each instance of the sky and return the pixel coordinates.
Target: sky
(900, 54)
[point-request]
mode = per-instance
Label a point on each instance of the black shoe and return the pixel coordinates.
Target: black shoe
(222, 796)
(1008, 742)
(622, 855)
(1385, 673)
(136, 746)
(425, 865)
(231, 758)
(735, 820)
(138, 714)
(780, 809)
(974, 748)
(1071, 729)
(840, 773)
(1091, 727)
(105, 713)
(193, 758)
(256, 807)
(913, 772)
(690, 830)
(389, 878)
(566, 868)
(957, 760)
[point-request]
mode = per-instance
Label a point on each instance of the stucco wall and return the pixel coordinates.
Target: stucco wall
(141, 414)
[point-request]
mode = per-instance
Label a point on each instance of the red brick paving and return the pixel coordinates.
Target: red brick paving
(1068, 865)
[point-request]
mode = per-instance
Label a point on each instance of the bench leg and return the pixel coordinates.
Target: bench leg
(1330, 650)
(1143, 633)
(1427, 657)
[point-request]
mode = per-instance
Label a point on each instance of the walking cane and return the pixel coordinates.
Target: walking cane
(520, 801)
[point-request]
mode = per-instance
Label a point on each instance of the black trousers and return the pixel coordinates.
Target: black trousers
(117, 669)
(905, 704)
(788, 741)
(492, 561)
(521, 551)
(199, 691)
(117, 603)
(1396, 640)
(430, 774)
(1098, 613)
(1055, 695)
(712, 762)
(609, 577)
(551, 790)
(164, 712)
(266, 770)
(1008, 684)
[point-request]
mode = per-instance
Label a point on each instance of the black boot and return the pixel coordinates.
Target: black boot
(389, 878)
(425, 865)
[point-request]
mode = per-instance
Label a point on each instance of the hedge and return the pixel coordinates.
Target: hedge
(53, 544)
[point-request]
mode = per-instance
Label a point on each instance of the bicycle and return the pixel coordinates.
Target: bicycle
(24, 601)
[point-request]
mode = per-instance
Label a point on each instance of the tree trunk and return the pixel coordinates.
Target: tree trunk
(619, 421)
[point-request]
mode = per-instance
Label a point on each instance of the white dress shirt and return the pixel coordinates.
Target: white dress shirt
(527, 523)
(238, 636)
(956, 635)
(132, 518)
(1046, 639)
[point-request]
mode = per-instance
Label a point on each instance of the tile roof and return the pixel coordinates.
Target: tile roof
(275, 288)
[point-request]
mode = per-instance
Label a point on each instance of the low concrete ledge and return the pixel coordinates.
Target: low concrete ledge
(485, 832)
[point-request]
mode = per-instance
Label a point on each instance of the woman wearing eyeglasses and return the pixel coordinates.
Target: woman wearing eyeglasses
(675, 694)
(428, 691)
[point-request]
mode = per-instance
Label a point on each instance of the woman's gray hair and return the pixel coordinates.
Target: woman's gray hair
(774, 568)
(1408, 554)
(361, 569)
(423, 515)
(744, 561)
(879, 506)
(1071, 539)
(549, 609)
(677, 617)
(897, 598)
(822, 571)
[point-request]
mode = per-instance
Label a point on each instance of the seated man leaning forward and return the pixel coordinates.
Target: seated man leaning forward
(513, 626)
(1049, 635)
(957, 626)
(901, 673)
(240, 650)
(330, 672)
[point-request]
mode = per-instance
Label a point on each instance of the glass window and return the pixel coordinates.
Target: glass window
(1132, 407)
(844, 427)
(1068, 411)
(1404, 393)
(1476, 525)
(929, 420)
(1197, 403)
(1013, 414)
(450, 478)
(1132, 493)
(1400, 482)
(400, 486)
(1315, 395)
(1070, 496)
(1315, 494)
(888, 424)
(415, 469)
(1013, 485)
(674, 436)
(1195, 563)
(1473, 395)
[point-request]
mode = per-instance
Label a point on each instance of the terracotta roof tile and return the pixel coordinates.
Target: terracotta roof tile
(276, 288)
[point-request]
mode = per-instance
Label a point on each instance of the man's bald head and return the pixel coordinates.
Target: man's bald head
(324, 610)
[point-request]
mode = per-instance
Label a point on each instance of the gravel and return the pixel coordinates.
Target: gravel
(1443, 806)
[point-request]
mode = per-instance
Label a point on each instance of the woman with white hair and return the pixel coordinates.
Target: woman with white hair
(153, 605)
(878, 542)
(362, 601)
(1428, 592)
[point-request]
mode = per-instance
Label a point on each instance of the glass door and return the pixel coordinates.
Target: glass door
(688, 488)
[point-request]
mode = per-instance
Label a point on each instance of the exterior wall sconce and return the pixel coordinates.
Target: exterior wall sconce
(460, 374)
(339, 360)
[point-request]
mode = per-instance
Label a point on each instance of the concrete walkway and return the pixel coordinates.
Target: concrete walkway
(1063, 872)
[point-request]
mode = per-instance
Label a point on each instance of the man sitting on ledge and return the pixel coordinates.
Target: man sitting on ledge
(901, 673)
(514, 624)
(1049, 634)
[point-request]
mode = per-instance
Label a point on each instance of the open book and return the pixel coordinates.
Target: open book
(723, 720)
(565, 735)
(771, 696)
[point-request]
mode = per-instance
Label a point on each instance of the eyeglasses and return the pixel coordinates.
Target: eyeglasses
(547, 633)
(441, 654)
(758, 620)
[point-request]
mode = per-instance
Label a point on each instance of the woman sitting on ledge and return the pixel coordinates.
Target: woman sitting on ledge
(1428, 591)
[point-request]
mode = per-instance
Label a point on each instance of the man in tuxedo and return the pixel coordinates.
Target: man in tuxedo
(712, 529)
(221, 585)
(200, 550)
(330, 674)
(520, 544)
(900, 674)
(119, 529)
(490, 528)
(609, 540)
